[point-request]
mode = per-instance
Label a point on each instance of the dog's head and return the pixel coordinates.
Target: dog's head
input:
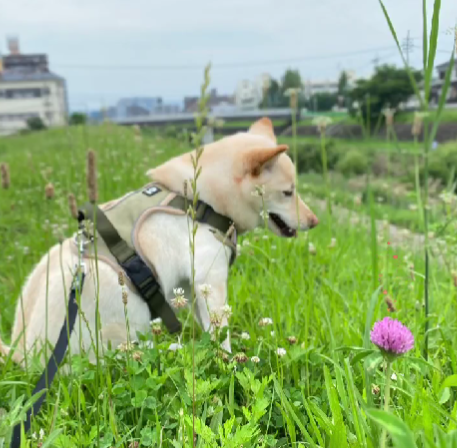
(269, 185)
(248, 177)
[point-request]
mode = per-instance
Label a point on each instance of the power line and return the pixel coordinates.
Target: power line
(221, 65)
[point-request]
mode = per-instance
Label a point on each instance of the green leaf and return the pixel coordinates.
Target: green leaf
(445, 395)
(398, 429)
(424, 34)
(339, 435)
(372, 362)
(432, 48)
(450, 381)
(442, 100)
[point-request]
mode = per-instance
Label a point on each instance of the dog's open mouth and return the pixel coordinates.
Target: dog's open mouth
(282, 226)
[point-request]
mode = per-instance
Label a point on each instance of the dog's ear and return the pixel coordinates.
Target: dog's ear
(259, 159)
(264, 127)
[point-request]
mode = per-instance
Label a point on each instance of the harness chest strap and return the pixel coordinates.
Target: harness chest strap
(138, 272)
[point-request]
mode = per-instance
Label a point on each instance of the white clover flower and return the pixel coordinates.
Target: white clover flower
(205, 290)
(245, 336)
(125, 347)
(179, 301)
(157, 320)
(281, 352)
(259, 191)
(393, 377)
(291, 91)
(322, 123)
(255, 359)
(226, 311)
(264, 215)
(265, 321)
(215, 319)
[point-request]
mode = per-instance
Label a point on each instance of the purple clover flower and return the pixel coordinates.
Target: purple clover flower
(392, 337)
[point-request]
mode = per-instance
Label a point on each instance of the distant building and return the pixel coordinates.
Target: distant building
(29, 89)
(311, 88)
(248, 95)
(215, 100)
(141, 106)
(437, 84)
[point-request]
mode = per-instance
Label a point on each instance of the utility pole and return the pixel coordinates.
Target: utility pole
(408, 46)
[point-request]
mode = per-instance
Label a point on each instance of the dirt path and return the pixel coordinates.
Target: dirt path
(398, 236)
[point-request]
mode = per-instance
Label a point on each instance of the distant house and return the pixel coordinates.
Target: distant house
(191, 103)
(248, 95)
(29, 89)
(437, 84)
(143, 106)
(311, 88)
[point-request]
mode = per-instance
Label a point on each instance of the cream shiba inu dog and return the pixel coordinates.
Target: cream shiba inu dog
(232, 169)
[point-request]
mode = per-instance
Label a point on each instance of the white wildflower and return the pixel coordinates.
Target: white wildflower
(215, 318)
(259, 191)
(264, 215)
(205, 290)
(312, 249)
(272, 333)
(245, 336)
(322, 123)
(255, 359)
(179, 301)
(265, 321)
(125, 347)
(393, 377)
(226, 311)
(281, 352)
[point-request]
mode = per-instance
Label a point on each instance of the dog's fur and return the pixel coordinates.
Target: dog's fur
(231, 169)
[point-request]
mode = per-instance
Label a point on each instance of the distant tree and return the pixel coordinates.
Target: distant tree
(78, 118)
(273, 95)
(388, 87)
(323, 102)
(35, 124)
(343, 84)
(291, 79)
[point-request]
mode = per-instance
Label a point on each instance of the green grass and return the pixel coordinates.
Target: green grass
(447, 116)
(319, 393)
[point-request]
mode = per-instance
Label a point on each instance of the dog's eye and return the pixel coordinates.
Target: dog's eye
(288, 193)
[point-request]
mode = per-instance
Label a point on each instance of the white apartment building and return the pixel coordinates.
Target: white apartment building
(28, 89)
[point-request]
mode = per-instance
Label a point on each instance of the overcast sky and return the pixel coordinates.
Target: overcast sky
(107, 49)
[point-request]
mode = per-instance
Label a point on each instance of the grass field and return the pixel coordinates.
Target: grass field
(323, 292)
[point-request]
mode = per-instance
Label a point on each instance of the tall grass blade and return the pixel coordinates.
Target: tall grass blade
(432, 48)
(405, 63)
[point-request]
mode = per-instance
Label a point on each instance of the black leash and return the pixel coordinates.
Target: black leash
(56, 358)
